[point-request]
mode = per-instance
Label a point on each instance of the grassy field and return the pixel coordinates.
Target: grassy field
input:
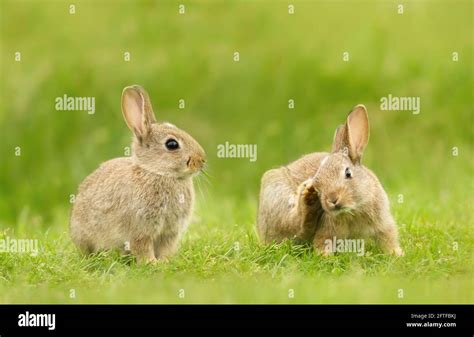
(427, 158)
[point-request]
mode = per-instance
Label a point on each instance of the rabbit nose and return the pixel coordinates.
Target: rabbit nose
(195, 162)
(334, 201)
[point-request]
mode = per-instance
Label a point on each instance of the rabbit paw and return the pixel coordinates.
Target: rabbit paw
(322, 251)
(307, 192)
(398, 252)
(151, 260)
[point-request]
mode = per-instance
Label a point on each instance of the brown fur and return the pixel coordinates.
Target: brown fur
(309, 202)
(141, 203)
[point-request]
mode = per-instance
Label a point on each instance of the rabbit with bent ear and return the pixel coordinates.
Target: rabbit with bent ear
(140, 204)
(323, 196)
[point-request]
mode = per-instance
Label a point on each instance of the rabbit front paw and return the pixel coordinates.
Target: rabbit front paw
(307, 192)
(150, 260)
(142, 248)
(398, 252)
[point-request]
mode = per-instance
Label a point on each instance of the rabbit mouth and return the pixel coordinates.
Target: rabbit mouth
(195, 173)
(187, 174)
(340, 210)
(190, 173)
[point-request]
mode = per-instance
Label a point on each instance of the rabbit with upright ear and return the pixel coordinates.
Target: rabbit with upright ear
(140, 204)
(323, 196)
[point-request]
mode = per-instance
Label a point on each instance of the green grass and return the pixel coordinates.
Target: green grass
(282, 56)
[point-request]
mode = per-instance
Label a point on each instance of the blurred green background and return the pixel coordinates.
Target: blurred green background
(191, 56)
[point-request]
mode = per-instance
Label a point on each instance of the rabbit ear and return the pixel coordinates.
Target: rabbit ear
(137, 111)
(353, 136)
(340, 142)
(149, 114)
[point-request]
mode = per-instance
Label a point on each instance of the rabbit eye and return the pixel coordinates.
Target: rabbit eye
(171, 144)
(348, 173)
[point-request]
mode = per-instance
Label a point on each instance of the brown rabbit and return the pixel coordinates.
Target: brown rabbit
(141, 203)
(323, 196)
